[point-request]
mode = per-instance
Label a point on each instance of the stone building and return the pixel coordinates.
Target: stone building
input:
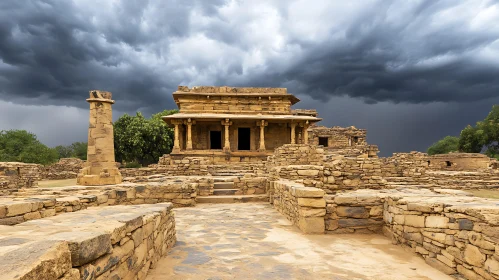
(236, 124)
(349, 141)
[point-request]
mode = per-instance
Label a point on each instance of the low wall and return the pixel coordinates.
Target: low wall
(354, 213)
(46, 202)
(16, 175)
(343, 173)
(455, 235)
(304, 206)
(459, 162)
(413, 164)
(297, 154)
(250, 184)
(118, 242)
(65, 168)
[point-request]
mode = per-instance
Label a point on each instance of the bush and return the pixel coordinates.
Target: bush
(133, 165)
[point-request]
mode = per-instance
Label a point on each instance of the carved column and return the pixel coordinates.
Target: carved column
(176, 141)
(262, 124)
(293, 133)
(305, 132)
(100, 168)
(226, 123)
(189, 124)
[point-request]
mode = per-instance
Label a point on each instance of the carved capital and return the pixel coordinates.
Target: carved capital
(262, 123)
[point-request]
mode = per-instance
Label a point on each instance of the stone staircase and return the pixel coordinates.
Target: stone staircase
(224, 191)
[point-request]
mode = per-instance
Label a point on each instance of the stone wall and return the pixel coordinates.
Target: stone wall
(250, 184)
(303, 206)
(457, 235)
(188, 166)
(297, 154)
(337, 137)
(342, 173)
(353, 213)
(459, 162)
(413, 164)
(16, 175)
(46, 202)
(118, 242)
(65, 168)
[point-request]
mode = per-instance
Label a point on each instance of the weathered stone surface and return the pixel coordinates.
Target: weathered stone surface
(352, 212)
(473, 256)
(312, 202)
(436, 222)
(414, 221)
(440, 266)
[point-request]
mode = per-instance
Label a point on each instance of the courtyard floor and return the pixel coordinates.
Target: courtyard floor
(254, 241)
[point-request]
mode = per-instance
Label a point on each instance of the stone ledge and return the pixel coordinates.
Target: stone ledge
(94, 241)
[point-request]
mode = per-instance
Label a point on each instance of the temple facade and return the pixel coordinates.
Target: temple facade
(236, 124)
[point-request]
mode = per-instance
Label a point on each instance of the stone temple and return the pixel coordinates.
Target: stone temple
(252, 190)
(236, 124)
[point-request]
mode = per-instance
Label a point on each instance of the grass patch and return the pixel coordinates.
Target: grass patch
(485, 193)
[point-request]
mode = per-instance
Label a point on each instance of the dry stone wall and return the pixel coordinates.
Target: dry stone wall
(65, 168)
(459, 162)
(17, 175)
(304, 206)
(118, 242)
(46, 202)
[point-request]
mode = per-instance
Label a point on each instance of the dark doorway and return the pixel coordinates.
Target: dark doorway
(243, 138)
(323, 141)
(215, 140)
(448, 163)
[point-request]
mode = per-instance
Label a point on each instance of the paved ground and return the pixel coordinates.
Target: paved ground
(254, 241)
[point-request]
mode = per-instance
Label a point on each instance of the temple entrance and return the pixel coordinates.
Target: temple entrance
(323, 141)
(243, 139)
(215, 140)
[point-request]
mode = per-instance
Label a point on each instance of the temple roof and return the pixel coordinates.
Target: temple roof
(240, 117)
(234, 91)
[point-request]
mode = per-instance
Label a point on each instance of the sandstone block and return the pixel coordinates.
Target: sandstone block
(436, 222)
(492, 266)
(440, 266)
(473, 256)
(312, 202)
(18, 209)
(308, 172)
(312, 225)
(352, 212)
(308, 192)
(414, 221)
(85, 246)
(312, 212)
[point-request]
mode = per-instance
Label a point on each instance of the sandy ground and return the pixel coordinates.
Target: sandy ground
(57, 183)
(254, 241)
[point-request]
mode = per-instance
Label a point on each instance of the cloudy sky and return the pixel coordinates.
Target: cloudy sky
(409, 71)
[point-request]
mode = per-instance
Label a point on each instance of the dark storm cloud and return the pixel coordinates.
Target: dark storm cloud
(371, 54)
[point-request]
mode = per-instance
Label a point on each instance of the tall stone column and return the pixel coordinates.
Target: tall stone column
(293, 133)
(226, 123)
(262, 124)
(176, 141)
(100, 167)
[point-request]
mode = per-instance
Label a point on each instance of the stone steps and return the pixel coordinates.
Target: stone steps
(223, 185)
(225, 191)
(232, 198)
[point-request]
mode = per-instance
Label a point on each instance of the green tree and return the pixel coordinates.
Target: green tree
(142, 140)
(79, 150)
(444, 146)
(64, 151)
(469, 140)
(489, 128)
(23, 146)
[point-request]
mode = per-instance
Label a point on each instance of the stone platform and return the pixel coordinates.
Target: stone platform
(253, 241)
(115, 242)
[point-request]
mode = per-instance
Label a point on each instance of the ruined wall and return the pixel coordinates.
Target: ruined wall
(303, 206)
(119, 242)
(71, 199)
(459, 162)
(342, 173)
(188, 166)
(413, 164)
(338, 137)
(65, 168)
(450, 235)
(16, 175)
(297, 154)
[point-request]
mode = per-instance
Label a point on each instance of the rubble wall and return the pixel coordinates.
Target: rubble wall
(459, 162)
(17, 175)
(46, 202)
(65, 168)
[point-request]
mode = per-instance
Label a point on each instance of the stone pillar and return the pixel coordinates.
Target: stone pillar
(176, 141)
(100, 168)
(189, 124)
(293, 133)
(262, 124)
(226, 123)
(305, 133)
